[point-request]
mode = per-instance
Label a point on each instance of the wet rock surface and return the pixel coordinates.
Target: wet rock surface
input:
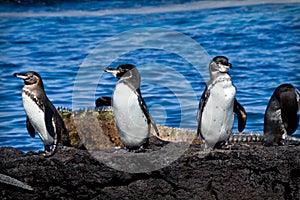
(247, 172)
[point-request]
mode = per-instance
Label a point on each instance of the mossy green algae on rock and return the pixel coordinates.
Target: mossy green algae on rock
(96, 129)
(92, 129)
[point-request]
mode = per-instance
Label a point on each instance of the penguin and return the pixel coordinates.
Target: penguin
(41, 115)
(281, 118)
(103, 101)
(218, 104)
(132, 117)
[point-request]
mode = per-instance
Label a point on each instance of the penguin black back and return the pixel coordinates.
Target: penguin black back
(281, 116)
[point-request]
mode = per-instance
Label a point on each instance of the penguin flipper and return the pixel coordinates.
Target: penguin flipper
(202, 104)
(30, 128)
(48, 120)
(239, 110)
(145, 111)
(103, 101)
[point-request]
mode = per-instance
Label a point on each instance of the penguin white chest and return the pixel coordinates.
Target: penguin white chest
(37, 119)
(131, 121)
(217, 117)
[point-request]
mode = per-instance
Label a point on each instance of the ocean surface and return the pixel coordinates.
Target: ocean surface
(171, 43)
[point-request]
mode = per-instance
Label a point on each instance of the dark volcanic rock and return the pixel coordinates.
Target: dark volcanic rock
(256, 173)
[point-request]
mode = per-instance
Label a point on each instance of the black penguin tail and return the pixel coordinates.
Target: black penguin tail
(67, 143)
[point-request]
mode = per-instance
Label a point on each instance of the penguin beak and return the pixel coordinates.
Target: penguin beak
(224, 68)
(21, 76)
(112, 70)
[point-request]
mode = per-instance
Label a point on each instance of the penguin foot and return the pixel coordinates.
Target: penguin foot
(49, 152)
(205, 152)
(236, 146)
(139, 149)
(283, 142)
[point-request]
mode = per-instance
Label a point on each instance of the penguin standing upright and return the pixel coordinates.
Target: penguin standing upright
(215, 114)
(42, 117)
(132, 117)
(281, 118)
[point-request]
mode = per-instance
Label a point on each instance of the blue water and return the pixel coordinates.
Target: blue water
(69, 44)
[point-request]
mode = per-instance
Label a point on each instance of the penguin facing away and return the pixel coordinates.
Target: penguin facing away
(281, 118)
(218, 104)
(42, 117)
(132, 117)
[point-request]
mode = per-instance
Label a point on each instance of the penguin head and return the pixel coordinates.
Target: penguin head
(30, 78)
(126, 73)
(219, 64)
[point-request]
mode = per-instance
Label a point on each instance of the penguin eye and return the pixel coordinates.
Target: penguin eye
(218, 64)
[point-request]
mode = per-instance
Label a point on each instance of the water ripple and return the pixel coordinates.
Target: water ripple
(261, 41)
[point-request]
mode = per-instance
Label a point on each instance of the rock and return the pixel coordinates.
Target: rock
(96, 129)
(105, 171)
(255, 172)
